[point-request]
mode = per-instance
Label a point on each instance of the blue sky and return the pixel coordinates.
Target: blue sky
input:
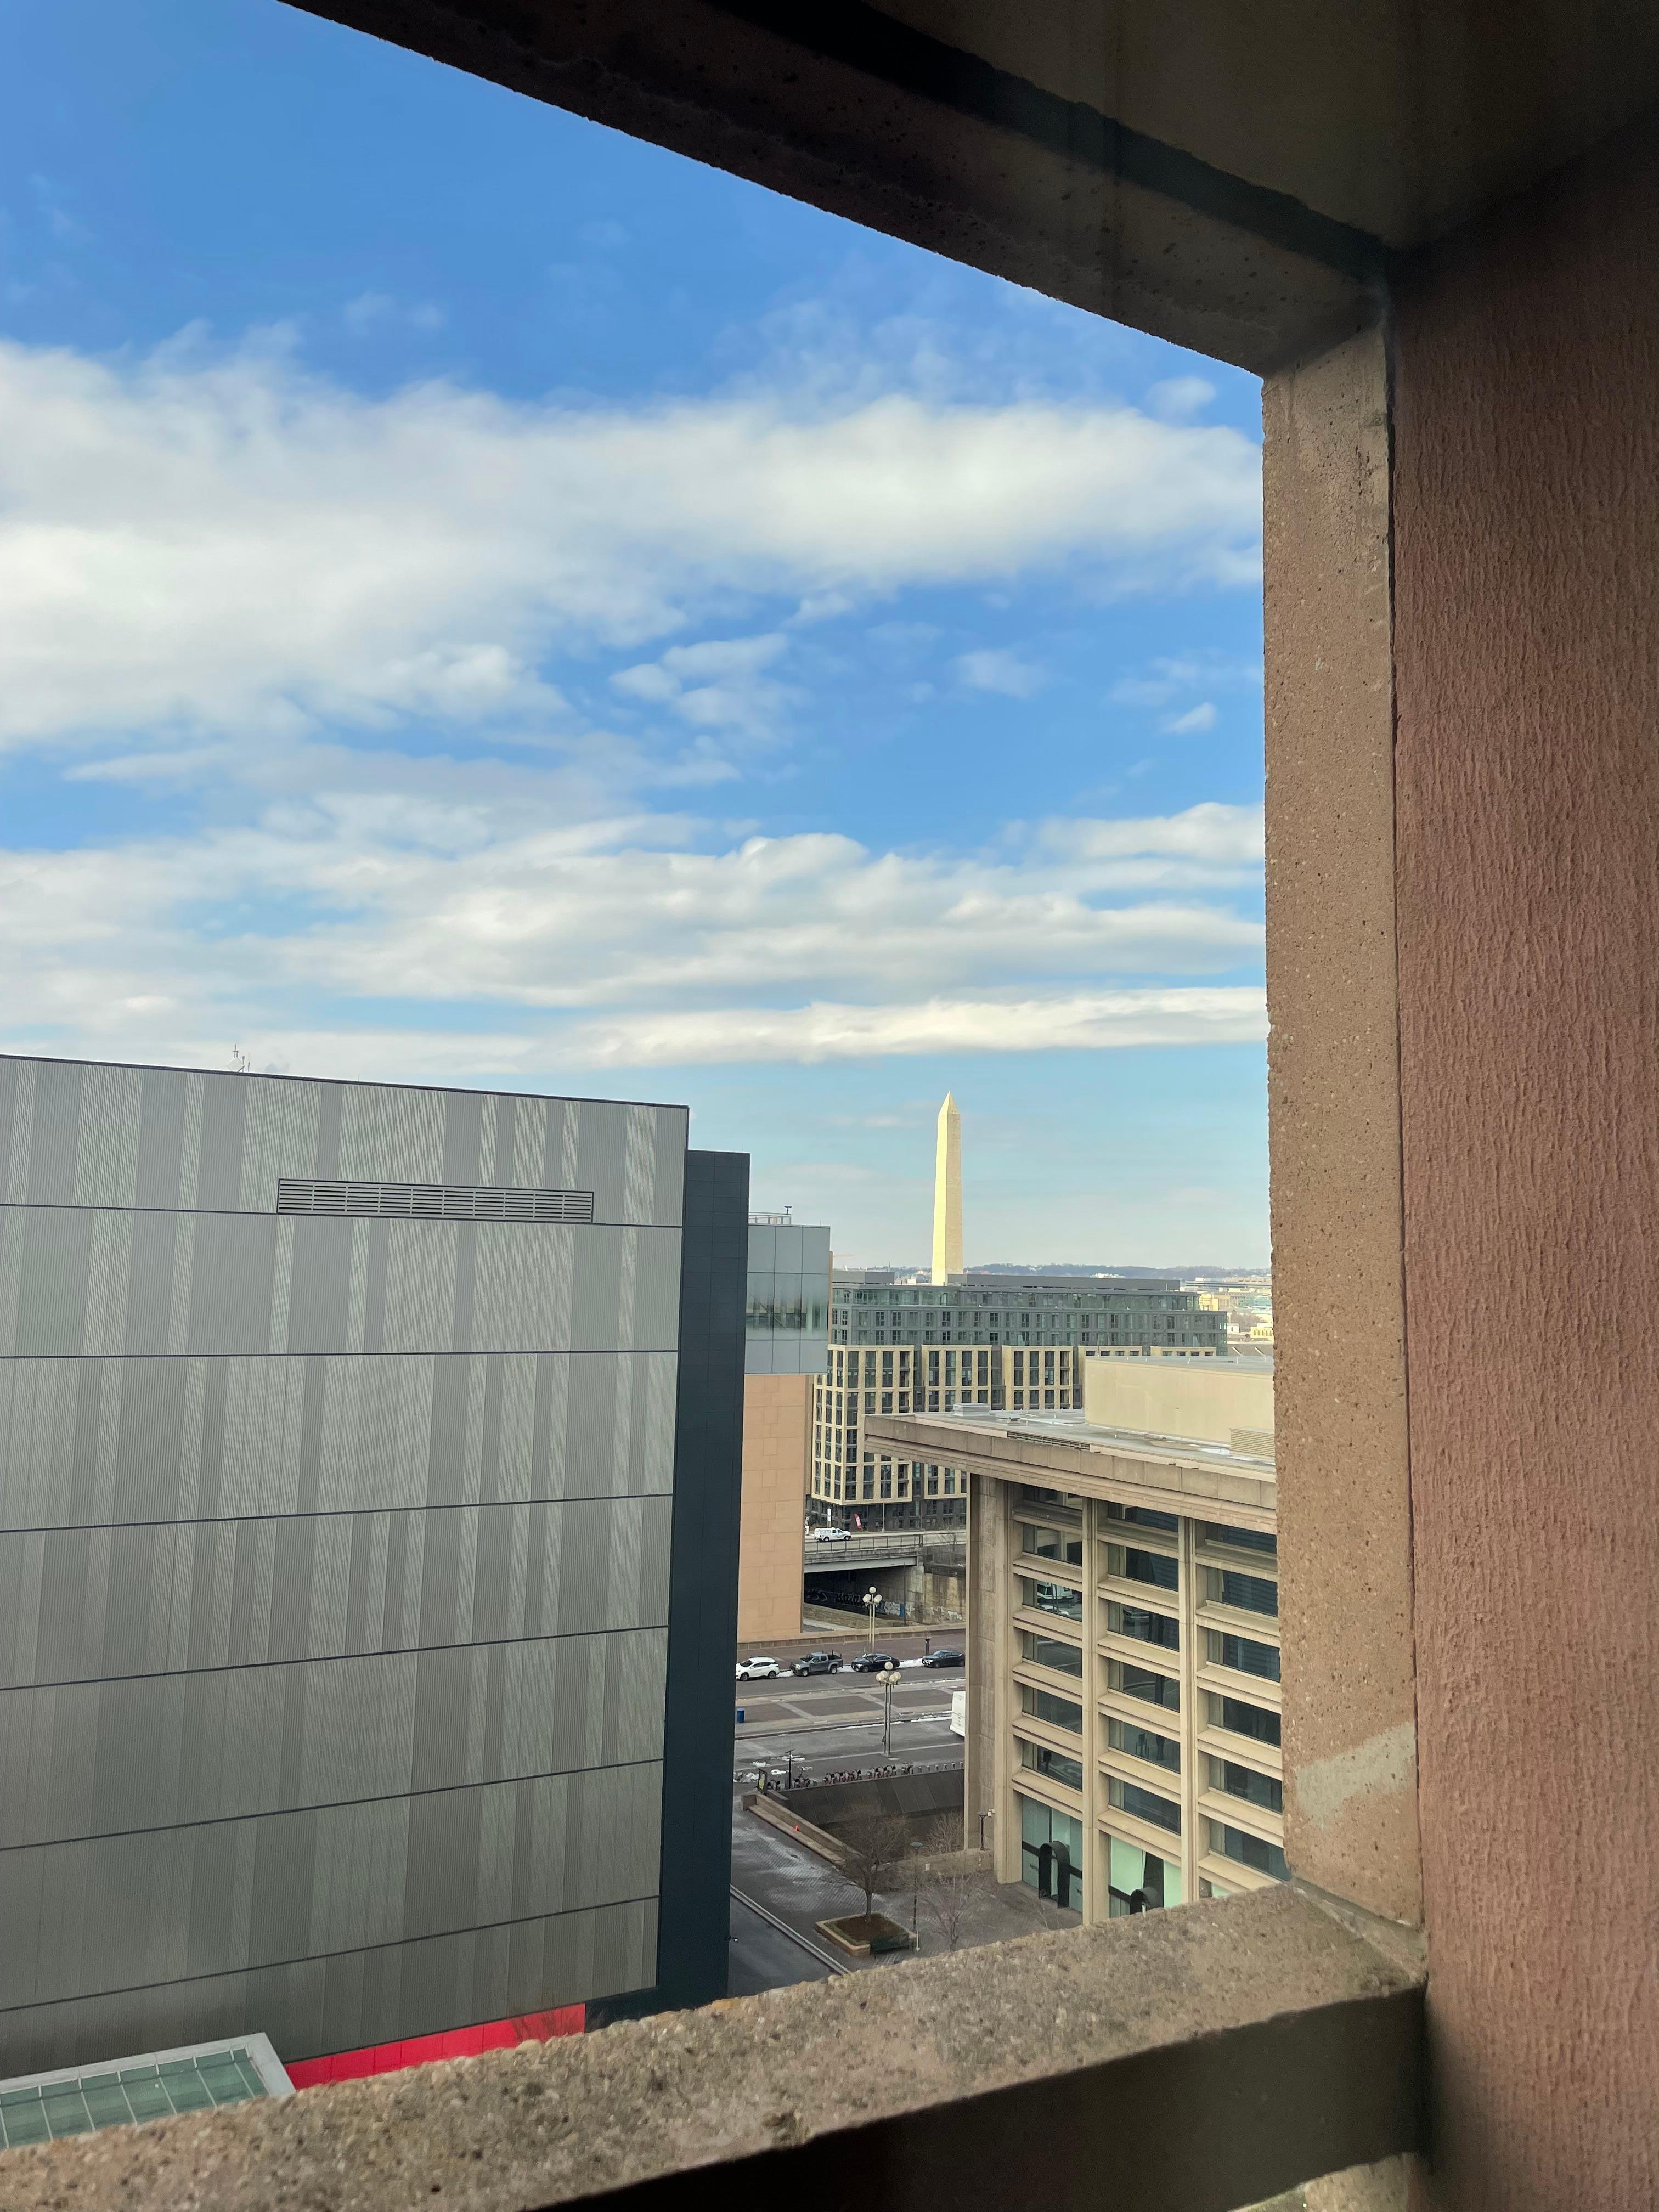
(484, 600)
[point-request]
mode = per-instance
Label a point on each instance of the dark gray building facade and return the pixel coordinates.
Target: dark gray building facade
(367, 1458)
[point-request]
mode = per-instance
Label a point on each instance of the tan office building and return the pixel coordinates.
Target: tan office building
(777, 1457)
(1123, 1744)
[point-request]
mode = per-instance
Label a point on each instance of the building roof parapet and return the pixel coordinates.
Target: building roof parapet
(1066, 1452)
(1077, 1429)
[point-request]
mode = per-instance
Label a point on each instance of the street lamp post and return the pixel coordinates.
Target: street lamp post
(888, 1676)
(872, 1600)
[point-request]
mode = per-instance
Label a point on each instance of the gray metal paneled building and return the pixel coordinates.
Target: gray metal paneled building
(341, 1427)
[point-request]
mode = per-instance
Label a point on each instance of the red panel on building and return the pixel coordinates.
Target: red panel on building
(422, 2050)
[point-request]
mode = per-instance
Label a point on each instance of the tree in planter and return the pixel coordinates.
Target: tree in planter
(872, 1841)
(951, 1881)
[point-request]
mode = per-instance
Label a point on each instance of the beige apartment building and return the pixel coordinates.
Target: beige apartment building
(995, 1341)
(1123, 1740)
(901, 1378)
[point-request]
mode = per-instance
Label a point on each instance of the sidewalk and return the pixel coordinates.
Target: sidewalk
(801, 1889)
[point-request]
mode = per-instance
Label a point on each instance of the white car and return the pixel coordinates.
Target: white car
(758, 1670)
(831, 1535)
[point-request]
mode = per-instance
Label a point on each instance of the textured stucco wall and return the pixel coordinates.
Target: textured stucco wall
(777, 1465)
(1334, 1122)
(1527, 613)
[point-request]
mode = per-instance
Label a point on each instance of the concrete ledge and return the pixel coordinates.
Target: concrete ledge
(762, 1805)
(1204, 2058)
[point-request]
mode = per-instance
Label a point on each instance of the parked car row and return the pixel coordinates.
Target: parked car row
(762, 1669)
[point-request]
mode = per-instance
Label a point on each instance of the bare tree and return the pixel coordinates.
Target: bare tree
(951, 1880)
(872, 1840)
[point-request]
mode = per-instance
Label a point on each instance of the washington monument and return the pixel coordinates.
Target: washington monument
(947, 1194)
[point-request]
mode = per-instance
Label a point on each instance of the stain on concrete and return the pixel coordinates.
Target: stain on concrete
(1325, 1788)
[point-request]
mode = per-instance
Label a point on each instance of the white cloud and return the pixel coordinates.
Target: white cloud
(1180, 396)
(535, 920)
(192, 544)
(1097, 1022)
(720, 684)
(992, 670)
(482, 889)
(1201, 717)
(1222, 844)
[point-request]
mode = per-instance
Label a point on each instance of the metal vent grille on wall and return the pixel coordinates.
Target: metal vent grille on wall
(430, 1201)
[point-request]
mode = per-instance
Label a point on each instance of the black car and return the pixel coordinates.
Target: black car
(942, 1658)
(818, 1662)
(871, 1662)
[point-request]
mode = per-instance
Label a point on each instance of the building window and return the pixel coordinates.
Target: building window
(1141, 1682)
(1244, 1782)
(1053, 1544)
(1144, 1804)
(1242, 1653)
(886, 1482)
(1039, 1826)
(1136, 1743)
(1250, 1593)
(1043, 1706)
(1156, 1568)
(1053, 1766)
(1240, 1719)
(1143, 1517)
(1050, 1651)
(1051, 1597)
(1145, 1627)
(1242, 1538)
(1231, 1843)
(1140, 1880)
(869, 1484)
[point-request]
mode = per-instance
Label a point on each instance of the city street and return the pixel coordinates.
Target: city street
(833, 1720)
